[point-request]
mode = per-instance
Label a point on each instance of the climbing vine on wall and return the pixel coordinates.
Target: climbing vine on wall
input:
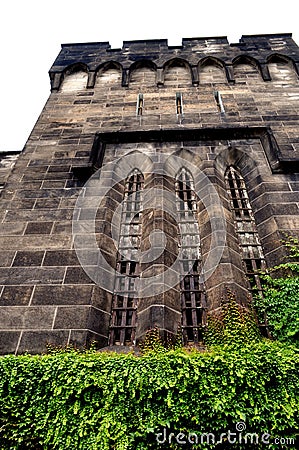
(280, 299)
(234, 324)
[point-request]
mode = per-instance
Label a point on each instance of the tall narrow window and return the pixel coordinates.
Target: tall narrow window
(140, 103)
(124, 306)
(179, 103)
(251, 249)
(219, 102)
(192, 290)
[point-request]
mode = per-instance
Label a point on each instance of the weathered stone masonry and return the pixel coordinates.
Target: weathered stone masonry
(239, 107)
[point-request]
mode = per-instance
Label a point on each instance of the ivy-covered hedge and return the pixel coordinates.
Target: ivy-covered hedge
(71, 400)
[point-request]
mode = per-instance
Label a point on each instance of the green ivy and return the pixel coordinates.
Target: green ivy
(234, 324)
(153, 342)
(101, 401)
(280, 299)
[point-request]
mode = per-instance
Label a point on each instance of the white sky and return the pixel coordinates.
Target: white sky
(32, 31)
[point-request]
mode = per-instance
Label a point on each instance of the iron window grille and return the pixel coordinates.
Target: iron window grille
(251, 249)
(193, 299)
(125, 301)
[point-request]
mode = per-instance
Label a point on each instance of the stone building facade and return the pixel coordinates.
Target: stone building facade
(155, 178)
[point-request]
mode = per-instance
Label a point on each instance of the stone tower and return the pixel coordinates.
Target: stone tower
(155, 178)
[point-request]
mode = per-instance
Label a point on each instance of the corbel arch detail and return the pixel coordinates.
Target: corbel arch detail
(176, 68)
(143, 72)
(245, 60)
(74, 77)
(211, 70)
(281, 67)
(109, 72)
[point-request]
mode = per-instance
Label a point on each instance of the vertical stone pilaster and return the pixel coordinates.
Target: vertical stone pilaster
(162, 310)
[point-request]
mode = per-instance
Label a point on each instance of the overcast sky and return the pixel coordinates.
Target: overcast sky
(32, 32)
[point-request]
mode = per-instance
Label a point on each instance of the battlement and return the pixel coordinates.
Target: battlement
(193, 52)
(91, 52)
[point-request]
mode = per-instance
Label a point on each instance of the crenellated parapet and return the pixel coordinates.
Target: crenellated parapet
(195, 54)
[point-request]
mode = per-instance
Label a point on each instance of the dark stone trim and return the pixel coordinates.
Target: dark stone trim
(277, 163)
(265, 72)
(125, 77)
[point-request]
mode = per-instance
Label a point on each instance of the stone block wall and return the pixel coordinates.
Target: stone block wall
(90, 120)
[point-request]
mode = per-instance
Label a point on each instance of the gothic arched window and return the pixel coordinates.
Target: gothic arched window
(124, 305)
(191, 288)
(251, 249)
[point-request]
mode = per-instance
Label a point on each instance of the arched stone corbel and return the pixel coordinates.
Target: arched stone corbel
(265, 72)
(160, 77)
(229, 70)
(125, 77)
(91, 80)
(194, 74)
